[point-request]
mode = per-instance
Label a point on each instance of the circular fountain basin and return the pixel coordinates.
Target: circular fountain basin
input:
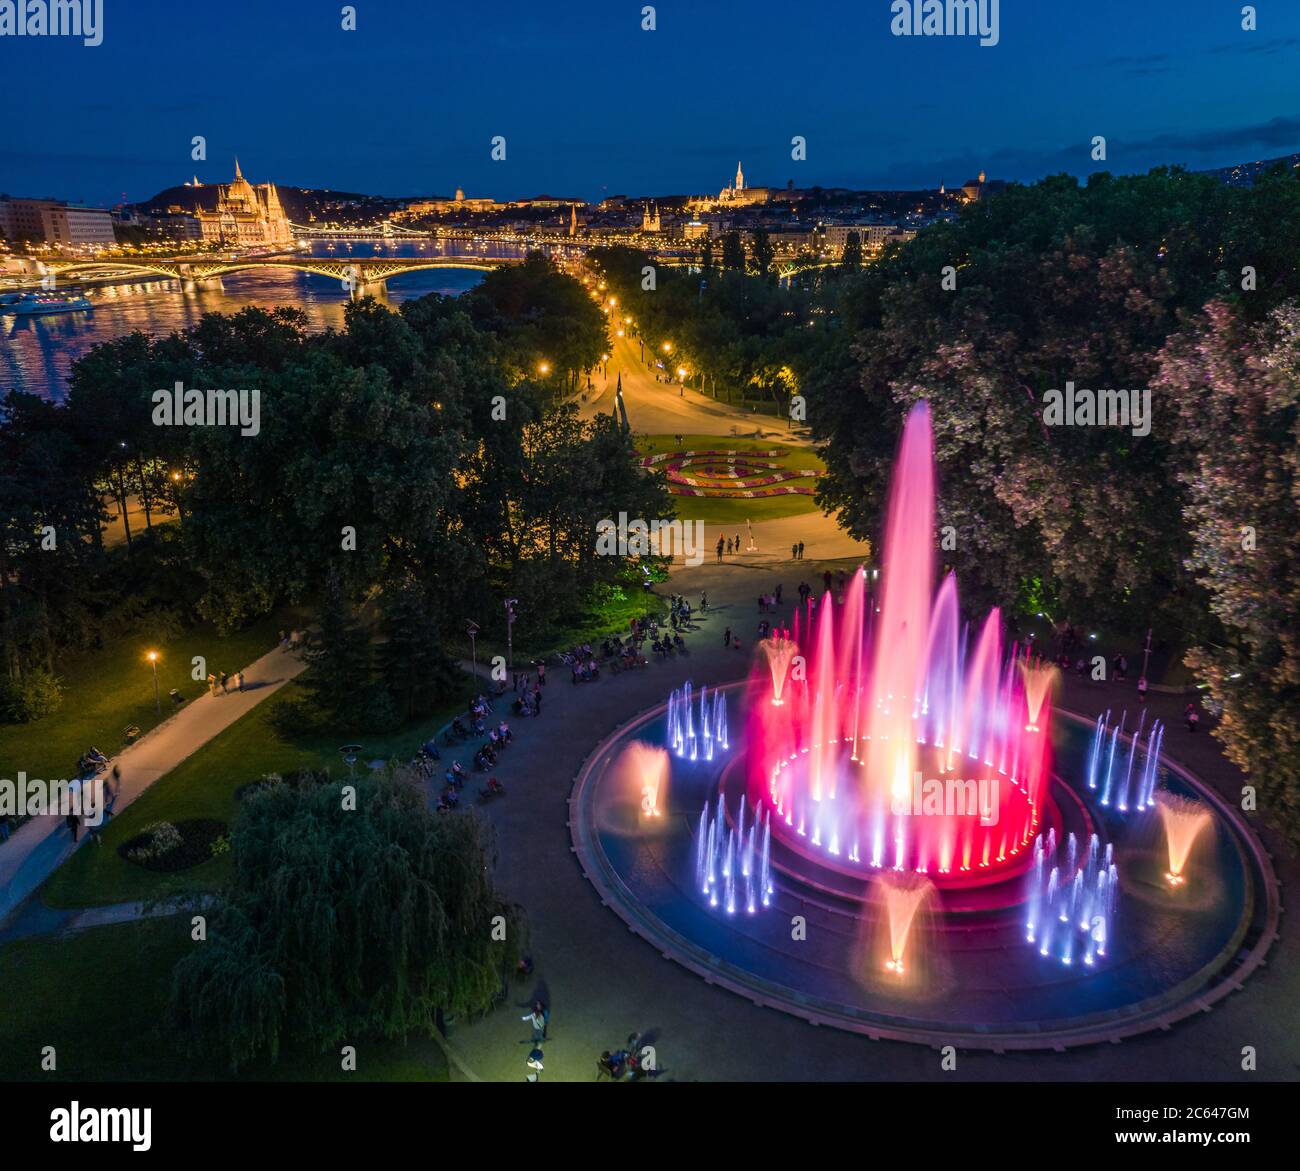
(970, 975)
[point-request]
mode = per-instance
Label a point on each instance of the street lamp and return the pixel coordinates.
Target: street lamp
(511, 603)
(471, 628)
(543, 368)
(152, 656)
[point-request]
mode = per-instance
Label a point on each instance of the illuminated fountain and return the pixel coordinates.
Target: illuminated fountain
(647, 767)
(898, 700)
(1070, 903)
(733, 863)
(779, 651)
(697, 728)
(902, 896)
(1183, 820)
(1111, 772)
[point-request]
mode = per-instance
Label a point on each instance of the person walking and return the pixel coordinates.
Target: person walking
(728, 546)
(537, 697)
(212, 684)
(239, 680)
(1142, 689)
(537, 1019)
(719, 548)
(73, 823)
(737, 542)
(779, 588)
(1190, 717)
(224, 680)
(541, 672)
(726, 637)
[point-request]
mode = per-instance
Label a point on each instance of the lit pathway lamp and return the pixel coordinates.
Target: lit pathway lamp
(681, 381)
(511, 604)
(471, 628)
(350, 754)
(152, 656)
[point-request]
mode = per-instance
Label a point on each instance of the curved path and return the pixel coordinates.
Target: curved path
(603, 982)
(39, 846)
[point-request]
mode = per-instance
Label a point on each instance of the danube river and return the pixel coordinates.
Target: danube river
(37, 353)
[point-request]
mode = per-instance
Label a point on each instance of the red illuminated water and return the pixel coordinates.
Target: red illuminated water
(899, 741)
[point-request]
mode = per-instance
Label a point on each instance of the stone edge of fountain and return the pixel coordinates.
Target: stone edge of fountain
(1196, 994)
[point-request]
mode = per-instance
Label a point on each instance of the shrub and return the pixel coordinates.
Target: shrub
(38, 693)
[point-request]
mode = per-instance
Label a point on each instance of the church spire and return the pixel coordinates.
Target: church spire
(238, 173)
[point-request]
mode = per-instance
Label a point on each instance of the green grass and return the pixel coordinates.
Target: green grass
(98, 997)
(106, 690)
(719, 510)
(204, 786)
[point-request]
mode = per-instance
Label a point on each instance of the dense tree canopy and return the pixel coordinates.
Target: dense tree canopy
(346, 919)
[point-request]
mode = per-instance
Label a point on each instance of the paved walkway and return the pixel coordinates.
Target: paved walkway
(603, 983)
(662, 408)
(39, 846)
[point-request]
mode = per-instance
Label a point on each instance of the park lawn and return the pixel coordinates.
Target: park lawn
(98, 997)
(204, 786)
(727, 511)
(106, 690)
(612, 616)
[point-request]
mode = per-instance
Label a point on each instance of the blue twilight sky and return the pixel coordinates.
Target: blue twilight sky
(590, 104)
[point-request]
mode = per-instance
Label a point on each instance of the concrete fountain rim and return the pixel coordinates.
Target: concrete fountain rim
(1213, 982)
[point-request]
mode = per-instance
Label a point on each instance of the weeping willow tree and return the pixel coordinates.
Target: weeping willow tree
(345, 922)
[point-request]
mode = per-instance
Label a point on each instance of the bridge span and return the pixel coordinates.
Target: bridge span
(357, 275)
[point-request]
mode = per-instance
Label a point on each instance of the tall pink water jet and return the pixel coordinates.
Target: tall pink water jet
(896, 700)
(1183, 820)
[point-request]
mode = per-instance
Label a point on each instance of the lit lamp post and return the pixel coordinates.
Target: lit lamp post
(604, 366)
(152, 656)
(471, 628)
(511, 603)
(681, 381)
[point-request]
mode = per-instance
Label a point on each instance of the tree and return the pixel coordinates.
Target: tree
(339, 661)
(733, 253)
(852, 260)
(345, 920)
(1235, 388)
(417, 673)
(763, 253)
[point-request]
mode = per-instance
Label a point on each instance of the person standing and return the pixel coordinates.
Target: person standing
(212, 684)
(737, 542)
(719, 548)
(1142, 689)
(541, 672)
(794, 552)
(726, 637)
(224, 680)
(800, 550)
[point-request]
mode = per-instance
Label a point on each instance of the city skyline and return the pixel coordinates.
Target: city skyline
(602, 107)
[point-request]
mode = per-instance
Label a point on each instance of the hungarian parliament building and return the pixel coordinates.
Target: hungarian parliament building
(244, 215)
